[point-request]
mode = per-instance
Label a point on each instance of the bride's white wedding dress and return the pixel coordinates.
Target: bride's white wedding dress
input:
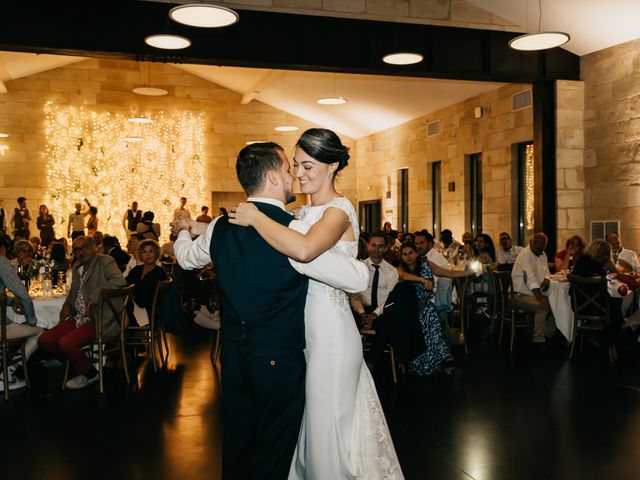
(344, 433)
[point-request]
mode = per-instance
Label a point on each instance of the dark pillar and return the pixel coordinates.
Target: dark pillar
(544, 148)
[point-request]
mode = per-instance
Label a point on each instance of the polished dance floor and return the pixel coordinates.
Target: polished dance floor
(530, 415)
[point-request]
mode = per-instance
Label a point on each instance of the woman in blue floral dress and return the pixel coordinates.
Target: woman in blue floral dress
(436, 355)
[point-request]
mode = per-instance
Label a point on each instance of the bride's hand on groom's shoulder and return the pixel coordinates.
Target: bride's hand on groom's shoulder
(244, 214)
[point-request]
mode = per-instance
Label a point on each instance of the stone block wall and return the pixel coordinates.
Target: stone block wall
(570, 176)
(106, 85)
(379, 156)
(612, 138)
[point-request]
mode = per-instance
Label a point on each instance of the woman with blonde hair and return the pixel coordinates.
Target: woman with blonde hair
(146, 276)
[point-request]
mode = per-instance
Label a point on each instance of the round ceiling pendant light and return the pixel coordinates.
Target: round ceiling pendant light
(331, 101)
(139, 119)
(203, 15)
(4, 135)
(287, 128)
(402, 58)
(133, 139)
(167, 41)
(150, 91)
(539, 41)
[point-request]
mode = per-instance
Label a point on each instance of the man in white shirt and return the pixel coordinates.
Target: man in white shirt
(77, 220)
(507, 252)
(182, 213)
(530, 279)
(425, 244)
(627, 259)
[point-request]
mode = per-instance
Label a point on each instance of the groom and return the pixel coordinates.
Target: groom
(264, 294)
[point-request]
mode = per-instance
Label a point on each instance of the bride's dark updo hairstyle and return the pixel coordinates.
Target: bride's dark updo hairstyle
(324, 146)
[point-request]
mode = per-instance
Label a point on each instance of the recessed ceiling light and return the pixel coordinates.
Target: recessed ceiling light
(150, 91)
(332, 101)
(167, 42)
(139, 120)
(287, 128)
(204, 16)
(402, 58)
(4, 135)
(539, 41)
(251, 142)
(133, 139)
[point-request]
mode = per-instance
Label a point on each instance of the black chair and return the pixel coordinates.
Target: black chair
(590, 303)
(212, 293)
(456, 320)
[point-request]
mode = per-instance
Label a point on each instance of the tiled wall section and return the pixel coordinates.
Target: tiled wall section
(105, 85)
(570, 160)
(380, 155)
(612, 138)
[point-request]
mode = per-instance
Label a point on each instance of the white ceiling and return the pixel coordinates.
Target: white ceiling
(592, 24)
(379, 102)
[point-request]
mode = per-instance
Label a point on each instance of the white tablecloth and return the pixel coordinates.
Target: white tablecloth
(560, 303)
(47, 311)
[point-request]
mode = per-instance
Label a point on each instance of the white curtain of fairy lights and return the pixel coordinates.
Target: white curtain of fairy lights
(112, 162)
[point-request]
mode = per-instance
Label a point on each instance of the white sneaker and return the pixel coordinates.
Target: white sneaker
(81, 381)
(14, 382)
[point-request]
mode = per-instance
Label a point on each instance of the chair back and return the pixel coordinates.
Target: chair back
(210, 287)
(3, 319)
(503, 290)
(589, 300)
(158, 299)
(115, 301)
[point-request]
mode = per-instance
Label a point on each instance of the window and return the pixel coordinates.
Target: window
(403, 199)
(526, 192)
(474, 171)
(436, 198)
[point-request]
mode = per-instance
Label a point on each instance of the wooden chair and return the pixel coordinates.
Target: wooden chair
(151, 335)
(366, 336)
(108, 344)
(456, 321)
(590, 303)
(8, 346)
(210, 287)
(509, 313)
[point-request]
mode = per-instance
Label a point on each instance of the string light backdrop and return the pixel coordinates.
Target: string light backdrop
(112, 162)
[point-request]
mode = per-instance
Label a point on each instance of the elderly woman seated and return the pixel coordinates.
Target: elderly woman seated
(145, 277)
(23, 253)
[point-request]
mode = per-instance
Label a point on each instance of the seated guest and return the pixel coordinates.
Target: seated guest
(368, 305)
(59, 260)
(145, 277)
(407, 238)
(451, 246)
(91, 273)
(507, 253)
(436, 353)
(596, 261)
(530, 279)
(23, 253)
(98, 237)
(111, 246)
(567, 258)
(391, 253)
(132, 248)
(466, 250)
(167, 254)
(204, 215)
(147, 228)
(363, 252)
(483, 249)
(624, 258)
(21, 304)
(425, 246)
(35, 243)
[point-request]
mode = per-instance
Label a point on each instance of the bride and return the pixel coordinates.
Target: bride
(344, 433)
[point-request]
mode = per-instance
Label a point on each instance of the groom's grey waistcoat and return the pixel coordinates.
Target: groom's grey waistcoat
(263, 296)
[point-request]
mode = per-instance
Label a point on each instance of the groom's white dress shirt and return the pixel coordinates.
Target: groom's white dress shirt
(333, 268)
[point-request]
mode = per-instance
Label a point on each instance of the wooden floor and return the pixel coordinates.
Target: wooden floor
(530, 415)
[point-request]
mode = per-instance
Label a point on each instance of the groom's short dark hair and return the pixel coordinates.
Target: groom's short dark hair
(253, 163)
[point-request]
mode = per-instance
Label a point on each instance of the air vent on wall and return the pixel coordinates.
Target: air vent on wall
(600, 228)
(521, 100)
(433, 128)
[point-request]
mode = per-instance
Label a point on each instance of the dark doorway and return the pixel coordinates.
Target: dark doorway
(370, 218)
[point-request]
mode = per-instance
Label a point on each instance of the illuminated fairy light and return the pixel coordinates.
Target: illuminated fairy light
(90, 157)
(529, 188)
(3, 150)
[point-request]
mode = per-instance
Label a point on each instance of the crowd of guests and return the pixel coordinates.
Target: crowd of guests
(91, 261)
(411, 278)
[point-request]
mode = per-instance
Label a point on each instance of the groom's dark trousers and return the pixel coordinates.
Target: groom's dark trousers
(263, 365)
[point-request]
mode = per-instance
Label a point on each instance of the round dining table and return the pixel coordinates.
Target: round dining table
(560, 304)
(47, 310)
